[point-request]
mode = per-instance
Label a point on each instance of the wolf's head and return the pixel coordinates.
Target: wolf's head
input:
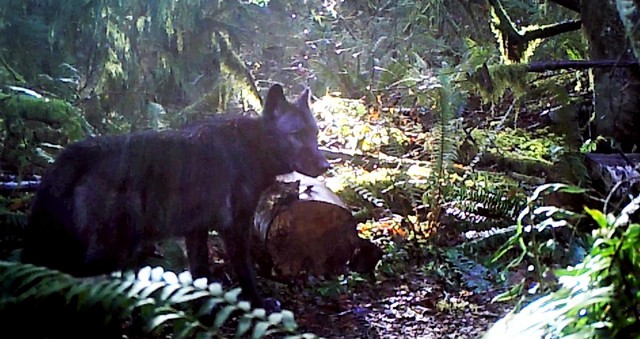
(294, 129)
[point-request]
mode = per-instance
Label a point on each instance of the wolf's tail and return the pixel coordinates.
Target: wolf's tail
(49, 239)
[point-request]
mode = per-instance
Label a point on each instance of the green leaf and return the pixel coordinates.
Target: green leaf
(144, 274)
(572, 189)
(137, 287)
(145, 301)
(260, 313)
(231, 297)
(161, 319)
(216, 289)
(148, 290)
(185, 278)
(170, 278)
(189, 297)
(200, 283)
(208, 307)
(105, 293)
(125, 285)
(181, 292)
(223, 315)
(157, 273)
(244, 324)
(510, 294)
(245, 306)
(275, 318)
(597, 216)
(288, 320)
(167, 291)
(37, 275)
(77, 290)
(186, 330)
(260, 329)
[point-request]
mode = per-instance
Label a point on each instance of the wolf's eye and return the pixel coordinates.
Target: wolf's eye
(298, 134)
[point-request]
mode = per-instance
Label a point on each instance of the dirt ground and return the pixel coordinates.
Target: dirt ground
(411, 305)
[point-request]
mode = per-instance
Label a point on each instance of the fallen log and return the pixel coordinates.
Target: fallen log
(303, 228)
(615, 175)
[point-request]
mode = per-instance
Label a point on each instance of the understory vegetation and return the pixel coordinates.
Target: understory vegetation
(461, 147)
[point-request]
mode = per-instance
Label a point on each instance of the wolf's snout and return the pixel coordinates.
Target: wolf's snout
(324, 165)
(313, 165)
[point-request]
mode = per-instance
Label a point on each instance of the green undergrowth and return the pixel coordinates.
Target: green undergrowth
(541, 145)
(349, 124)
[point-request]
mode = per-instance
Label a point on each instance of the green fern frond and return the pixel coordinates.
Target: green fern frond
(367, 195)
(151, 301)
(444, 142)
(473, 274)
(501, 206)
(443, 130)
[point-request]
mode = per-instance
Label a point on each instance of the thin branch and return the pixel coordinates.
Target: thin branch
(553, 30)
(516, 40)
(578, 65)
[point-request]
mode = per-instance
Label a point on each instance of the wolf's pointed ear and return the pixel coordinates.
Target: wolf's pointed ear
(304, 98)
(274, 98)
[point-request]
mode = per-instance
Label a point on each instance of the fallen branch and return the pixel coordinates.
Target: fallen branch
(359, 158)
(21, 186)
(578, 65)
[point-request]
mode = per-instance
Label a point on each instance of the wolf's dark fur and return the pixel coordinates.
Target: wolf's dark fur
(105, 196)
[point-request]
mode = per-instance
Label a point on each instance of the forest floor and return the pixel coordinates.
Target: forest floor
(408, 305)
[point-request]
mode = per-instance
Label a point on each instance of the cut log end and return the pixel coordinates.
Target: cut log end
(305, 229)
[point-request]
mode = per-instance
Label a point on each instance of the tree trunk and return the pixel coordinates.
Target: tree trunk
(617, 90)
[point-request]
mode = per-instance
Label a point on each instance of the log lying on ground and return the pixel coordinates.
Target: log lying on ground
(303, 228)
(613, 178)
(615, 174)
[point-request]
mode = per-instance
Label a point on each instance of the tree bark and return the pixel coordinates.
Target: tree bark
(616, 90)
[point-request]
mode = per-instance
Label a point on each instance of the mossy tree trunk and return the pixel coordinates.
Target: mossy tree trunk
(617, 90)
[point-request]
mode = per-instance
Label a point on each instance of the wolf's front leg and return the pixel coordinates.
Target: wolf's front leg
(237, 245)
(198, 253)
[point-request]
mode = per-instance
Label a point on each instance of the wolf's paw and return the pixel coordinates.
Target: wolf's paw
(271, 305)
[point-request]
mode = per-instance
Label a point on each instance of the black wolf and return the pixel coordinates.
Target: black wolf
(104, 197)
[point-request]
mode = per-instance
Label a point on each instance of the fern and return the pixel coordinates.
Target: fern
(153, 301)
(496, 205)
(473, 275)
(444, 143)
(367, 195)
(446, 152)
